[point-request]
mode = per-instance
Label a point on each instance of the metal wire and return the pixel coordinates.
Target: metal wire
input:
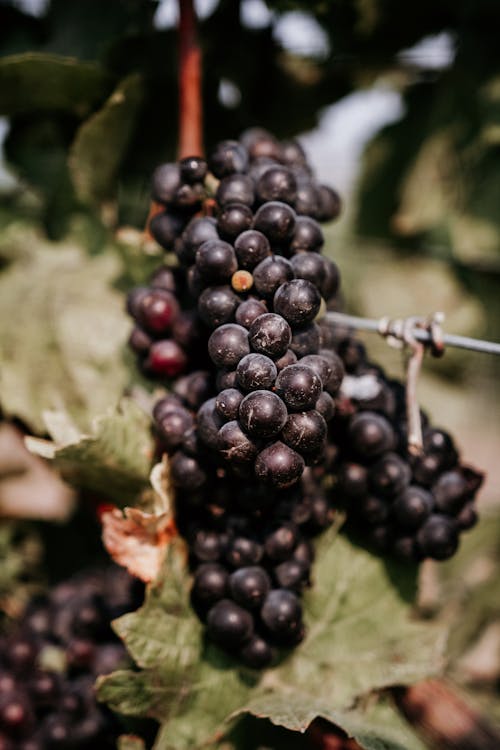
(449, 339)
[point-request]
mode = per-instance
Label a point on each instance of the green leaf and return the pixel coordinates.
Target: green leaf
(114, 461)
(101, 142)
(361, 638)
(36, 81)
(62, 330)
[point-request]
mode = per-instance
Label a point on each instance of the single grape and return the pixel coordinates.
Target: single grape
(249, 586)
(307, 236)
(277, 221)
(256, 372)
(298, 301)
(270, 334)
(193, 169)
(235, 188)
(227, 403)
(217, 305)
(228, 157)
(277, 184)
(299, 386)
(279, 465)
(251, 247)
(270, 274)
(228, 344)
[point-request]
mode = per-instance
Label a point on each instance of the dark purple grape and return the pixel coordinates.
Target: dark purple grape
(225, 379)
(299, 387)
(370, 434)
(249, 586)
(270, 334)
(281, 542)
(262, 414)
(467, 517)
(163, 278)
(210, 585)
(331, 282)
(193, 169)
(390, 475)
(307, 199)
(277, 184)
(279, 465)
(227, 403)
(305, 432)
(260, 143)
(234, 445)
(311, 267)
(173, 427)
(256, 372)
(438, 537)
(228, 624)
(139, 341)
(251, 248)
(243, 552)
(217, 305)
(249, 310)
(228, 157)
(208, 423)
(186, 472)
(307, 236)
(235, 188)
(293, 154)
(216, 261)
(282, 613)
(198, 231)
(353, 480)
(371, 509)
(450, 492)
(165, 183)
(412, 507)
(207, 546)
(305, 340)
(325, 405)
(166, 227)
(228, 344)
(257, 653)
(277, 221)
(329, 204)
(292, 574)
(298, 301)
(194, 389)
(270, 274)
(234, 219)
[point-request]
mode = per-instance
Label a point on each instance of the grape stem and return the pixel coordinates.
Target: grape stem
(190, 101)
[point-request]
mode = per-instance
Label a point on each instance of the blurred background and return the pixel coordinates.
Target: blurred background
(398, 107)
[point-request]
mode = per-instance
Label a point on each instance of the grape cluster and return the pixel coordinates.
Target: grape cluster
(412, 506)
(233, 323)
(48, 666)
(260, 421)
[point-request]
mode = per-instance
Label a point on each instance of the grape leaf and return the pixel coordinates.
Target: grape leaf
(37, 81)
(62, 331)
(114, 461)
(101, 142)
(361, 638)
